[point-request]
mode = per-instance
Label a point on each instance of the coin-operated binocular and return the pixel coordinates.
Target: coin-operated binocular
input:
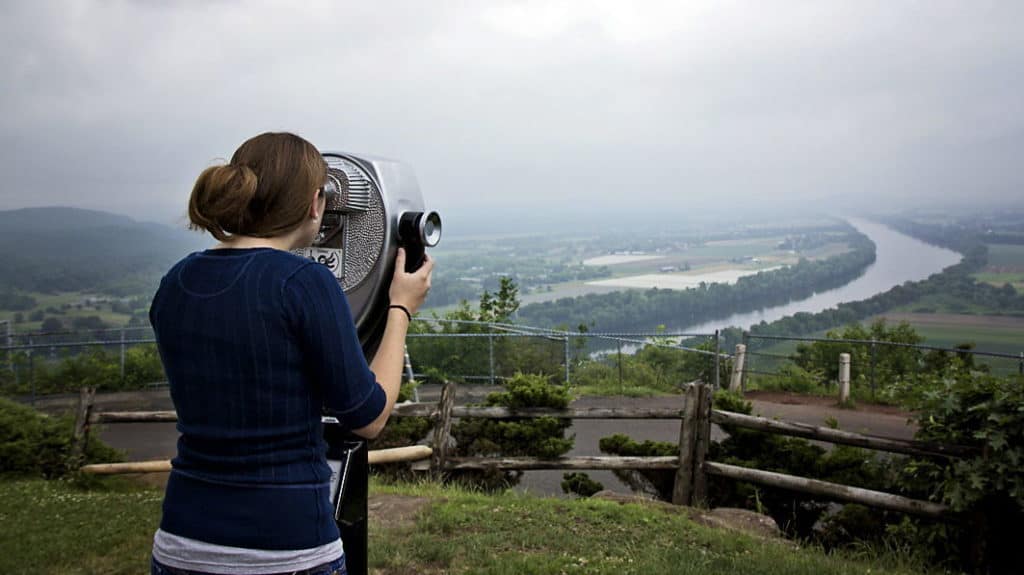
(374, 206)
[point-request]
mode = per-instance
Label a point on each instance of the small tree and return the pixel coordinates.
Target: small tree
(539, 437)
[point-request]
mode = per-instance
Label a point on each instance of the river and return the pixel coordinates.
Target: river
(899, 258)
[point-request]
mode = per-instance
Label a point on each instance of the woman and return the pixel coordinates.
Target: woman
(257, 344)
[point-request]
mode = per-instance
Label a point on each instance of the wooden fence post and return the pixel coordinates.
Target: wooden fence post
(442, 429)
(682, 490)
(844, 378)
(736, 383)
(80, 436)
(702, 422)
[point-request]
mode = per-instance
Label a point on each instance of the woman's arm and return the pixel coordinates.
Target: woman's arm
(408, 290)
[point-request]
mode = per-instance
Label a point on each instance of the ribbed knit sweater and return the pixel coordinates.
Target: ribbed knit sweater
(257, 344)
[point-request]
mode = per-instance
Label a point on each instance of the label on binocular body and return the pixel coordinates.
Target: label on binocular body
(333, 258)
(335, 466)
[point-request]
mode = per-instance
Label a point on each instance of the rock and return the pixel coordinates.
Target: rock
(744, 520)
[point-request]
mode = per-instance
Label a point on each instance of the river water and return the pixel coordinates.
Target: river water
(899, 258)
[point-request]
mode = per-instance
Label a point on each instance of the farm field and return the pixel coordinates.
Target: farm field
(1005, 266)
(66, 306)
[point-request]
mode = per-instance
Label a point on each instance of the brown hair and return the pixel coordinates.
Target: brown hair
(265, 191)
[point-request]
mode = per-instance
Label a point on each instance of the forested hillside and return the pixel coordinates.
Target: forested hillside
(60, 249)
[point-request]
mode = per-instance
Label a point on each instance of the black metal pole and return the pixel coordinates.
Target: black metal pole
(351, 512)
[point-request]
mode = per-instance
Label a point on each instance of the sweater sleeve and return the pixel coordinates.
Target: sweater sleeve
(320, 315)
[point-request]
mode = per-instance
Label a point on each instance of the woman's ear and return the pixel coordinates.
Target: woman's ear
(318, 205)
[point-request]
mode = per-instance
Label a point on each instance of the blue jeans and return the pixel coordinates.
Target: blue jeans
(336, 567)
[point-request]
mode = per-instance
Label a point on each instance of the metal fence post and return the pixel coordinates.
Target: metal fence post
(873, 352)
(1020, 364)
(750, 362)
(567, 359)
(490, 347)
(10, 342)
(31, 371)
(844, 378)
(620, 366)
(717, 360)
(122, 354)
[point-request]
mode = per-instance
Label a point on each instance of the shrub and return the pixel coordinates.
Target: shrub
(539, 437)
(581, 484)
(32, 444)
(986, 412)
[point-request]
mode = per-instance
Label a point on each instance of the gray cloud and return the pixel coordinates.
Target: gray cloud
(522, 105)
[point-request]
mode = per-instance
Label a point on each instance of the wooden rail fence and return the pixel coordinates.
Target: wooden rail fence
(691, 465)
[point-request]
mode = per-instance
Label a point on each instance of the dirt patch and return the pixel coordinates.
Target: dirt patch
(744, 520)
(389, 511)
(791, 398)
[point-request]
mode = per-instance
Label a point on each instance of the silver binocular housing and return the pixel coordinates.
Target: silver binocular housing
(374, 205)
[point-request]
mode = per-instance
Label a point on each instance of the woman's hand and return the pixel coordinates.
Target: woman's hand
(407, 289)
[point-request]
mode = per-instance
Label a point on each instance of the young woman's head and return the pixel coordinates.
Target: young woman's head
(267, 190)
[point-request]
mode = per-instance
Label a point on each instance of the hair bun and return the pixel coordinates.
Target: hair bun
(220, 199)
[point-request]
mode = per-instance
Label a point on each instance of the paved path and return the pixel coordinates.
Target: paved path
(144, 441)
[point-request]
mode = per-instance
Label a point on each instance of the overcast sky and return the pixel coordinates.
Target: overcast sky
(523, 107)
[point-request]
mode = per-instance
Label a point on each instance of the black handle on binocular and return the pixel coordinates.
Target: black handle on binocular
(415, 254)
(417, 230)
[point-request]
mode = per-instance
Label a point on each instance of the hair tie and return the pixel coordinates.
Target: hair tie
(403, 308)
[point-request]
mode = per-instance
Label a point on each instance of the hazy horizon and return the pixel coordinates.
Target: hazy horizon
(528, 114)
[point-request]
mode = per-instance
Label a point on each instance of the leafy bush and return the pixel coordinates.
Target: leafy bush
(792, 377)
(32, 444)
(986, 412)
(581, 484)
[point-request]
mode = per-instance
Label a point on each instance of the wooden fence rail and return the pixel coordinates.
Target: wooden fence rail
(691, 467)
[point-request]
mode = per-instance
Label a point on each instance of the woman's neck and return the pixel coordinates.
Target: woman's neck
(283, 242)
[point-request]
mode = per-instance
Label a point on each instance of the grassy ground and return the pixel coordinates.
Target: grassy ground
(1006, 255)
(55, 527)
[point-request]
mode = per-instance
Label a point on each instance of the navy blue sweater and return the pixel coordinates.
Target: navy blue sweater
(257, 344)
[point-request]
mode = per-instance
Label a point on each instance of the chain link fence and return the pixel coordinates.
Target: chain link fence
(874, 362)
(46, 363)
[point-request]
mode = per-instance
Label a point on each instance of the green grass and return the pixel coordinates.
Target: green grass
(55, 527)
(512, 534)
(1006, 255)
